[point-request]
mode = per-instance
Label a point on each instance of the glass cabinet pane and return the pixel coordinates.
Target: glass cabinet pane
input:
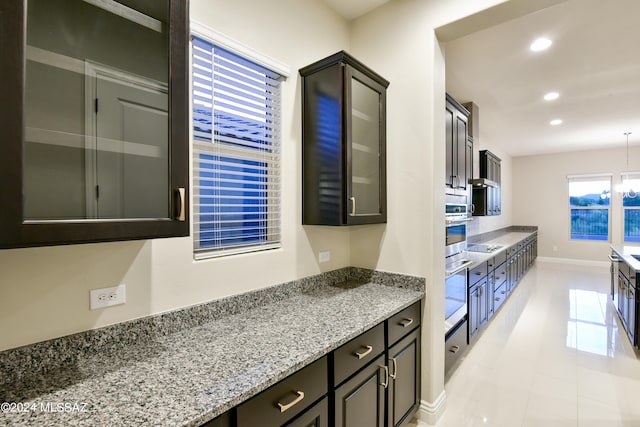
(365, 149)
(96, 110)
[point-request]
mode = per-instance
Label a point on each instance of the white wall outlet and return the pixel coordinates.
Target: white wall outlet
(107, 297)
(324, 256)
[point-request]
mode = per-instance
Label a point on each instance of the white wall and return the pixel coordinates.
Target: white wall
(398, 41)
(541, 198)
(45, 291)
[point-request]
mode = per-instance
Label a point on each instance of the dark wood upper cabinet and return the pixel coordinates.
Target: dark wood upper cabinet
(94, 121)
(487, 200)
(459, 148)
(344, 143)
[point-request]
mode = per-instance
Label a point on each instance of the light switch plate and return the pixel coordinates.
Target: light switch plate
(107, 297)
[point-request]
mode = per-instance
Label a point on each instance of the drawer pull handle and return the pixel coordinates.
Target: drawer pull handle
(454, 349)
(406, 322)
(368, 350)
(394, 362)
(498, 299)
(288, 406)
(385, 384)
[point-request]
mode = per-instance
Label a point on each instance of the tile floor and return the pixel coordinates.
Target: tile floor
(554, 355)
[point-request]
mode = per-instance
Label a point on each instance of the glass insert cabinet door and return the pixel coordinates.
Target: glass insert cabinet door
(365, 174)
(96, 120)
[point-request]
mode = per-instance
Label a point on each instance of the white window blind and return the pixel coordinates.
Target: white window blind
(236, 152)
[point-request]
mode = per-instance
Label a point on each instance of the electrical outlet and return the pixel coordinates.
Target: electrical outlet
(324, 256)
(107, 297)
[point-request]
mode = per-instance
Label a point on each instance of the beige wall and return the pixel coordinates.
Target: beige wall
(541, 198)
(45, 291)
(398, 41)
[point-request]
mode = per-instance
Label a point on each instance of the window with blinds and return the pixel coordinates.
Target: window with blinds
(236, 152)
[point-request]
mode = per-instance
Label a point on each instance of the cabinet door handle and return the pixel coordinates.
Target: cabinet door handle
(394, 363)
(498, 299)
(353, 206)
(180, 215)
(368, 350)
(385, 384)
(406, 322)
(454, 349)
(294, 402)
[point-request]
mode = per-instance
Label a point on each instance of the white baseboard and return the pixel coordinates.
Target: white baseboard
(573, 261)
(430, 412)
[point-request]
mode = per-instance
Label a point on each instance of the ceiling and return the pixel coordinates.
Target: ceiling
(351, 9)
(593, 63)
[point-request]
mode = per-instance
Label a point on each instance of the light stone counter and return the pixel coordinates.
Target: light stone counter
(188, 377)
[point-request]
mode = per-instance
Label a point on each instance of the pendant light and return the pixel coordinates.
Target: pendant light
(624, 189)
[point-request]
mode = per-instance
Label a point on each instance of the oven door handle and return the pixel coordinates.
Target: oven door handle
(455, 221)
(458, 269)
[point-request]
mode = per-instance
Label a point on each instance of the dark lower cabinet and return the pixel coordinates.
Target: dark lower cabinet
(223, 420)
(478, 307)
(360, 402)
(455, 345)
(372, 380)
(316, 416)
(278, 404)
(491, 282)
(404, 384)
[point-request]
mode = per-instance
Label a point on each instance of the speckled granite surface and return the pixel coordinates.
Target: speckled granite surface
(186, 367)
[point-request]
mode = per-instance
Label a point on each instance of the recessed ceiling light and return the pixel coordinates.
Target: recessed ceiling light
(540, 44)
(555, 122)
(551, 96)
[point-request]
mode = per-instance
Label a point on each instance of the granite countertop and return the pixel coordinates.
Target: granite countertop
(189, 377)
(627, 254)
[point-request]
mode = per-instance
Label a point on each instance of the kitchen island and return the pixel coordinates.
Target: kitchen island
(625, 269)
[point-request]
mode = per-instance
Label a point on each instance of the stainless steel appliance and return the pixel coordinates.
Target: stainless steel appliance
(483, 248)
(456, 263)
(456, 219)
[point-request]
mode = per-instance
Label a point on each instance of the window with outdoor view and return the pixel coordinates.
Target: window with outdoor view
(631, 206)
(589, 207)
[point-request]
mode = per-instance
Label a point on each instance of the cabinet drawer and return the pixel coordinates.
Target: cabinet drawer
(499, 296)
(455, 346)
(281, 402)
(500, 274)
(357, 353)
(477, 273)
(403, 322)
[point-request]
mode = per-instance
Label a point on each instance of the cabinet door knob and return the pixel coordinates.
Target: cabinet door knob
(364, 354)
(353, 206)
(406, 322)
(454, 349)
(294, 402)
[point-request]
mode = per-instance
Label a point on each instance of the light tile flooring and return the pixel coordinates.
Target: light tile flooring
(555, 355)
